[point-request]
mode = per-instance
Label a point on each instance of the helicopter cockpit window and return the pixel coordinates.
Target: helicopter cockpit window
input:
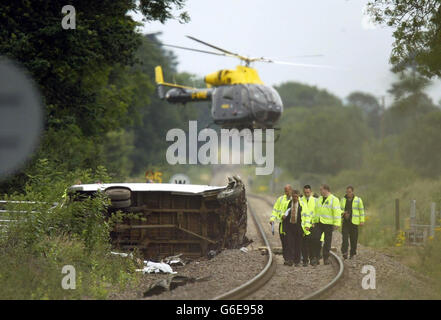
(275, 97)
(257, 94)
(228, 93)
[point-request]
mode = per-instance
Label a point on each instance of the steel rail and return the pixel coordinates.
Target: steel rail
(321, 291)
(261, 278)
(266, 274)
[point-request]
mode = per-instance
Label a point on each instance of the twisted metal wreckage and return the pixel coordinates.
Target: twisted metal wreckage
(169, 219)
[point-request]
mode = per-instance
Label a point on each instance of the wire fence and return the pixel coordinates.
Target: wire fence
(416, 233)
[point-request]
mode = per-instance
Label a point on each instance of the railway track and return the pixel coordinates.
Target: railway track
(245, 290)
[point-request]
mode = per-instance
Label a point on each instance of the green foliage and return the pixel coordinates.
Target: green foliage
(383, 178)
(409, 84)
(118, 147)
(158, 116)
(379, 230)
(430, 256)
(370, 107)
(96, 92)
(321, 140)
(69, 65)
(417, 32)
(420, 145)
(411, 103)
(296, 94)
(44, 236)
(37, 275)
(403, 163)
(46, 186)
(161, 10)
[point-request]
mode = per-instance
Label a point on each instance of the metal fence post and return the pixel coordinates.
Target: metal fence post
(432, 219)
(412, 214)
(397, 215)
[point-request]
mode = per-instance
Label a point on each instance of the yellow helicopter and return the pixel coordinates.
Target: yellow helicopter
(239, 97)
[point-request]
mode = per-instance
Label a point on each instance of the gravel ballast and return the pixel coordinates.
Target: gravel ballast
(231, 268)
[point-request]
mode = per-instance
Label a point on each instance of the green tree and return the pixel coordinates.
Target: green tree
(410, 104)
(118, 147)
(162, 10)
(420, 145)
(157, 116)
(321, 141)
(70, 66)
(83, 74)
(417, 32)
(296, 94)
(370, 106)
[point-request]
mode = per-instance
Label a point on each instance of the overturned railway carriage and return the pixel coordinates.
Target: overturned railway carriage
(174, 218)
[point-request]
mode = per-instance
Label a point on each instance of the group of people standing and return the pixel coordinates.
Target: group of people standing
(306, 221)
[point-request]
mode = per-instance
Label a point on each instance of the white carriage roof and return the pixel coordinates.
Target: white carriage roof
(149, 187)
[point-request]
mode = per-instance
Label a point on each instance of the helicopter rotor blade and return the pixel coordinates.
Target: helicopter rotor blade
(303, 56)
(307, 65)
(248, 60)
(220, 49)
(197, 50)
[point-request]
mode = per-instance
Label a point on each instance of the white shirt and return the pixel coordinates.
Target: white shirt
(287, 211)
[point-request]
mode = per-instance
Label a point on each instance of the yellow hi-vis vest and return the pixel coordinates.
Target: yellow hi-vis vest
(357, 209)
(311, 204)
(279, 209)
(328, 212)
(307, 213)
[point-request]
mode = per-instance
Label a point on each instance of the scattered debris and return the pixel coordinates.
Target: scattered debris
(174, 260)
(277, 250)
(121, 254)
(263, 250)
(243, 249)
(156, 267)
(211, 254)
(247, 242)
(171, 283)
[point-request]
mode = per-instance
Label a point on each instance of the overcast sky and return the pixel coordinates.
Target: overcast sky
(284, 29)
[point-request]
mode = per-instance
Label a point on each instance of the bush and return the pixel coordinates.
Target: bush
(52, 233)
(423, 157)
(430, 257)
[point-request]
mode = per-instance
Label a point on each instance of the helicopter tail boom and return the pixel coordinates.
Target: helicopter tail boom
(159, 78)
(179, 93)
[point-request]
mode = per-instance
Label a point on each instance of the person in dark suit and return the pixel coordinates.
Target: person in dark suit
(292, 224)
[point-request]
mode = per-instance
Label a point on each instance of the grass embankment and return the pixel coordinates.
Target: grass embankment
(43, 239)
(39, 243)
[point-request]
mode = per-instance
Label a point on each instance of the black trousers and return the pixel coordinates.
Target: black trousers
(349, 232)
(284, 246)
(317, 231)
(306, 248)
(293, 241)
